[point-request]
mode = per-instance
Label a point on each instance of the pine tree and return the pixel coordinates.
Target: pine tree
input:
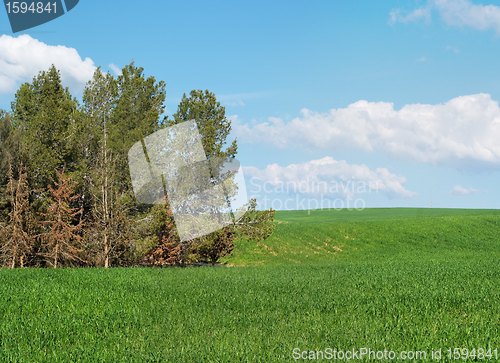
(169, 250)
(210, 117)
(139, 107)
(9, 159)
(62, 239)
(44, 112)
(19, 241)
(215, 246)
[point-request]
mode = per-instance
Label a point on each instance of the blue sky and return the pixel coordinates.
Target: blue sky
(269, 60)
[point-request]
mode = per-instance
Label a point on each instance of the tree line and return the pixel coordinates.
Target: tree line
(66, 197)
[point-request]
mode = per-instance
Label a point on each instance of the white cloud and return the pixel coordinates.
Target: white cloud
(115, 69)
(462, 131)
(460, 190)
(460, 13)
(466, 13)
(23, 57)
(326, 178)
(397, 16)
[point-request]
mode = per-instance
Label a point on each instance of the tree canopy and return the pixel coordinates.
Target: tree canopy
(65, 190)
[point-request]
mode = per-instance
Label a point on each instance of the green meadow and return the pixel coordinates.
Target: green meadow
(397, 279)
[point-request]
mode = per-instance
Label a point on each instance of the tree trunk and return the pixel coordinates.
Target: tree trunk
(105, 194)
(106, 251)
(13, 263)
(56, 256)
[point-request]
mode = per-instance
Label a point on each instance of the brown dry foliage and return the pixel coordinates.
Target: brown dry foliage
(63, 224)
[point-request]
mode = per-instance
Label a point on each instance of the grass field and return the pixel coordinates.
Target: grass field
(398, 279)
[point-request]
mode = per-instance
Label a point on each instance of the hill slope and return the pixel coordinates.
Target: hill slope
(322, 236)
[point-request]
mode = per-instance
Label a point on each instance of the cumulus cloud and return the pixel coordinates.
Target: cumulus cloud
(460, 13)
(460, 190)
(22, 57)
(326, 177)
(463, 131)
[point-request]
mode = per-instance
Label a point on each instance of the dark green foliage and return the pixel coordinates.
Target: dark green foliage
(9, 147)
(48, 131)
(9, 159)
(169, 250)
(45, 115)
(219, 244)
(212, 122)
(99, 100)
(137, 114)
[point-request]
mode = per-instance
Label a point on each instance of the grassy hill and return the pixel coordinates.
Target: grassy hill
(324, 236)
(398, 279)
